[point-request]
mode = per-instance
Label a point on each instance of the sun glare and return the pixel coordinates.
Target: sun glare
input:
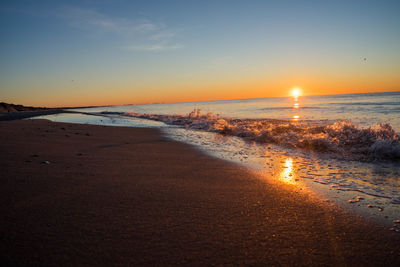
(288, 173)
(296, 92)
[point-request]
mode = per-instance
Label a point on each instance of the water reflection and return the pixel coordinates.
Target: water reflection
(102, 120)
(287, 175)
(296, 106)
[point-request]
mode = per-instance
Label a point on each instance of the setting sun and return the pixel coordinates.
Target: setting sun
(296, 92)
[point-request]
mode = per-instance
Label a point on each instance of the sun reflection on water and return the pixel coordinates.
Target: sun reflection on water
(287, 175)
(296, 104)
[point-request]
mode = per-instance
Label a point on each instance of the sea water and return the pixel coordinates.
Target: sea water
(346, 148)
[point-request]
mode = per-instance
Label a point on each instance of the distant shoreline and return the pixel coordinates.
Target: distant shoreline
(9, 112)
(19, 115)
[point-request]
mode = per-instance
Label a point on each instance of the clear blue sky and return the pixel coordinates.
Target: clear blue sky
(90, 52)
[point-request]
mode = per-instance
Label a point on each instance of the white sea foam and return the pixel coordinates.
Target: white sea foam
(341, 138)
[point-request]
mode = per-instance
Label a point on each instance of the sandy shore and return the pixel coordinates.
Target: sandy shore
(18, 115)
(75, 194)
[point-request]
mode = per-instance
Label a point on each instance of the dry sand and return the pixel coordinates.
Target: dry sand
(128, 196)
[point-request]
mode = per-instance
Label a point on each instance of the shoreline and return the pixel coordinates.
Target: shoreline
(19, 115)
(86, 194)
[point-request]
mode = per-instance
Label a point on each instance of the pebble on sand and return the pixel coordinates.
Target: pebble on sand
(358, 198)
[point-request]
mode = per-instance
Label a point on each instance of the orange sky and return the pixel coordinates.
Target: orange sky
(104, 53)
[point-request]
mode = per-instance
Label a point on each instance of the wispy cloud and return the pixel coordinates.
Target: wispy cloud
(141, 35)
(155, 47)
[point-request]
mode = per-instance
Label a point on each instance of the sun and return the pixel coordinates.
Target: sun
(296, 92)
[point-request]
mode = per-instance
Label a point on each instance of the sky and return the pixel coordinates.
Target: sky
(81, 53)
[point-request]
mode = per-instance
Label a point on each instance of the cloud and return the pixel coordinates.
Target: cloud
(162, 35)
(155, 47)
(141, 35)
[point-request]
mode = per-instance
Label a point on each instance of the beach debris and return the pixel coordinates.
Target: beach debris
(396, 221)
(380, 208)
(370, 206)
(46, 162)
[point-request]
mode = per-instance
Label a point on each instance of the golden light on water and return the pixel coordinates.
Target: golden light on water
(287, 175)
(296, 92)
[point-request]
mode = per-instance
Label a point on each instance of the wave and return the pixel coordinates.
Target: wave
(342, 137)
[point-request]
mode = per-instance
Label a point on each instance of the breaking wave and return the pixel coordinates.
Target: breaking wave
(341, 138)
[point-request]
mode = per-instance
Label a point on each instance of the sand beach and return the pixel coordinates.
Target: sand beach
(74, 194)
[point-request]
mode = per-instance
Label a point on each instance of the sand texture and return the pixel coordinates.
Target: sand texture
(74, 195)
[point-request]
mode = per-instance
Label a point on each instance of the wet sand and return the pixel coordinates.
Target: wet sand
(76, 194)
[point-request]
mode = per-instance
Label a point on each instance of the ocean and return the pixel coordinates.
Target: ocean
(343, 148)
